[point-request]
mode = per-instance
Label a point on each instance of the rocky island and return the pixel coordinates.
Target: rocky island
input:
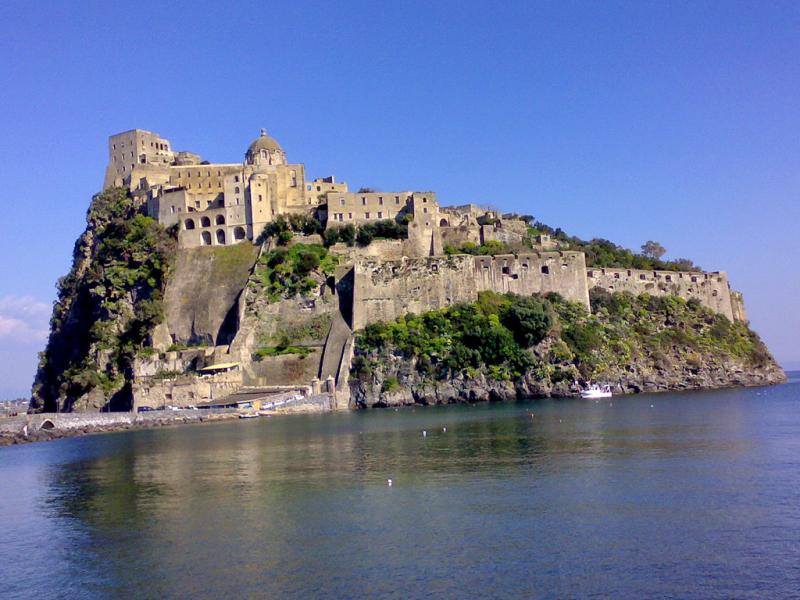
(199, 284)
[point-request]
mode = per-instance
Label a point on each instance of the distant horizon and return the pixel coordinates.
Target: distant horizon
(629, 122)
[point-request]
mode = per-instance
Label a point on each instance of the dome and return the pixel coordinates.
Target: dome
(264, 142)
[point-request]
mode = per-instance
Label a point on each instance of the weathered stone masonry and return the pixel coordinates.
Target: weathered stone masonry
(386, 289)
(711, 289)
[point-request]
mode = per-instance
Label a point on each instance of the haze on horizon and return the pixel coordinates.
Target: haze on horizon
(675, 122)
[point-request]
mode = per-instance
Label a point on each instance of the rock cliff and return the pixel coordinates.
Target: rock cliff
(636, 344)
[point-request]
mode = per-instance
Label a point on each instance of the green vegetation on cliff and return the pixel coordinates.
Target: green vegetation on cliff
(107, 306)
(287, 272)
(506, 337)
(603, 253)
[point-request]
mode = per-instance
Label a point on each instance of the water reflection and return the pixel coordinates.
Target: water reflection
(516, 497)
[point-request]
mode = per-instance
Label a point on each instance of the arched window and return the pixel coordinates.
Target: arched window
(236, 189)
(220, 237)
(238, 233)
(188, 224)
(443, 223)
(220, 220)
(206, 238)
(205, 222)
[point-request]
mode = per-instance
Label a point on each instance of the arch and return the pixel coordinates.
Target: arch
(443, 223)
(188, 224)
(47, 424)
(221, 237)
(205, 222)
(236, 190)
(206, 238)
(220, 220)
(238, 233)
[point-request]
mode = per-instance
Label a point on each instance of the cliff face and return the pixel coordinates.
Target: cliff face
(107, 307)
(633, 343)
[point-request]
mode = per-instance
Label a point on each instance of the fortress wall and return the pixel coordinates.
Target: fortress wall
(534, 273)
(458, 235)
(711, 289)
(387, 289)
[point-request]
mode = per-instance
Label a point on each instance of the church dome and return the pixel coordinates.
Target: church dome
(264, 142)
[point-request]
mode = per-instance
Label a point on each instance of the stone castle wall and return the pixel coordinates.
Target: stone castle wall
(711, 289)
(387, 289)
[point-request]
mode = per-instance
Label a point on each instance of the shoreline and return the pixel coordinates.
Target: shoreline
(69, 425)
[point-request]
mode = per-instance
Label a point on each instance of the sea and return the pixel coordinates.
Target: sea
(685, 495)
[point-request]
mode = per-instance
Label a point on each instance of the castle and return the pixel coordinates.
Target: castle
(219, 204)
(229, 204)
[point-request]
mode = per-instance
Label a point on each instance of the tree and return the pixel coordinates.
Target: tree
(529, 318)
(653, 250)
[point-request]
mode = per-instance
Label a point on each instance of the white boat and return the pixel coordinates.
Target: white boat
(248, 415)
(594, 392)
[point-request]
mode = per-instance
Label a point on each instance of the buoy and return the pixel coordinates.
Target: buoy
(389, 482)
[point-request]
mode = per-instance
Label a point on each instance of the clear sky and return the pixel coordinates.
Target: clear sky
(673, 121)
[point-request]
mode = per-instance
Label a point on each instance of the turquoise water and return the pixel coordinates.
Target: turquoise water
(693, 495)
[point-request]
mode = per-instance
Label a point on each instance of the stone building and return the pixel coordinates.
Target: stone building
(212, 203)
(217, 204)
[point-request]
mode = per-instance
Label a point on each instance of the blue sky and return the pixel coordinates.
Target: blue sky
(675, 121)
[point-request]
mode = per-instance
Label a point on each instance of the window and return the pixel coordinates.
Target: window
(366, 215)
(425, 209)
(238, 233)
(506, 270)
(545, 270)
(380, 200)
(424, 200)
(349, 215)
(188, 173)
(236, 179)
(172, 210)
(205, 222)
(341, 201)
(642, 276)
(220, 220)
(206, 237)
(616, 275)
(236, 190)
(363, 200)
(380, 215)
(197, 203)
(259, 198)
(220, 237)
(188, 224)
(397, 199)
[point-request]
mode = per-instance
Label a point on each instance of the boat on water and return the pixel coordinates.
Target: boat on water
(595, 391)
(248, 415)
